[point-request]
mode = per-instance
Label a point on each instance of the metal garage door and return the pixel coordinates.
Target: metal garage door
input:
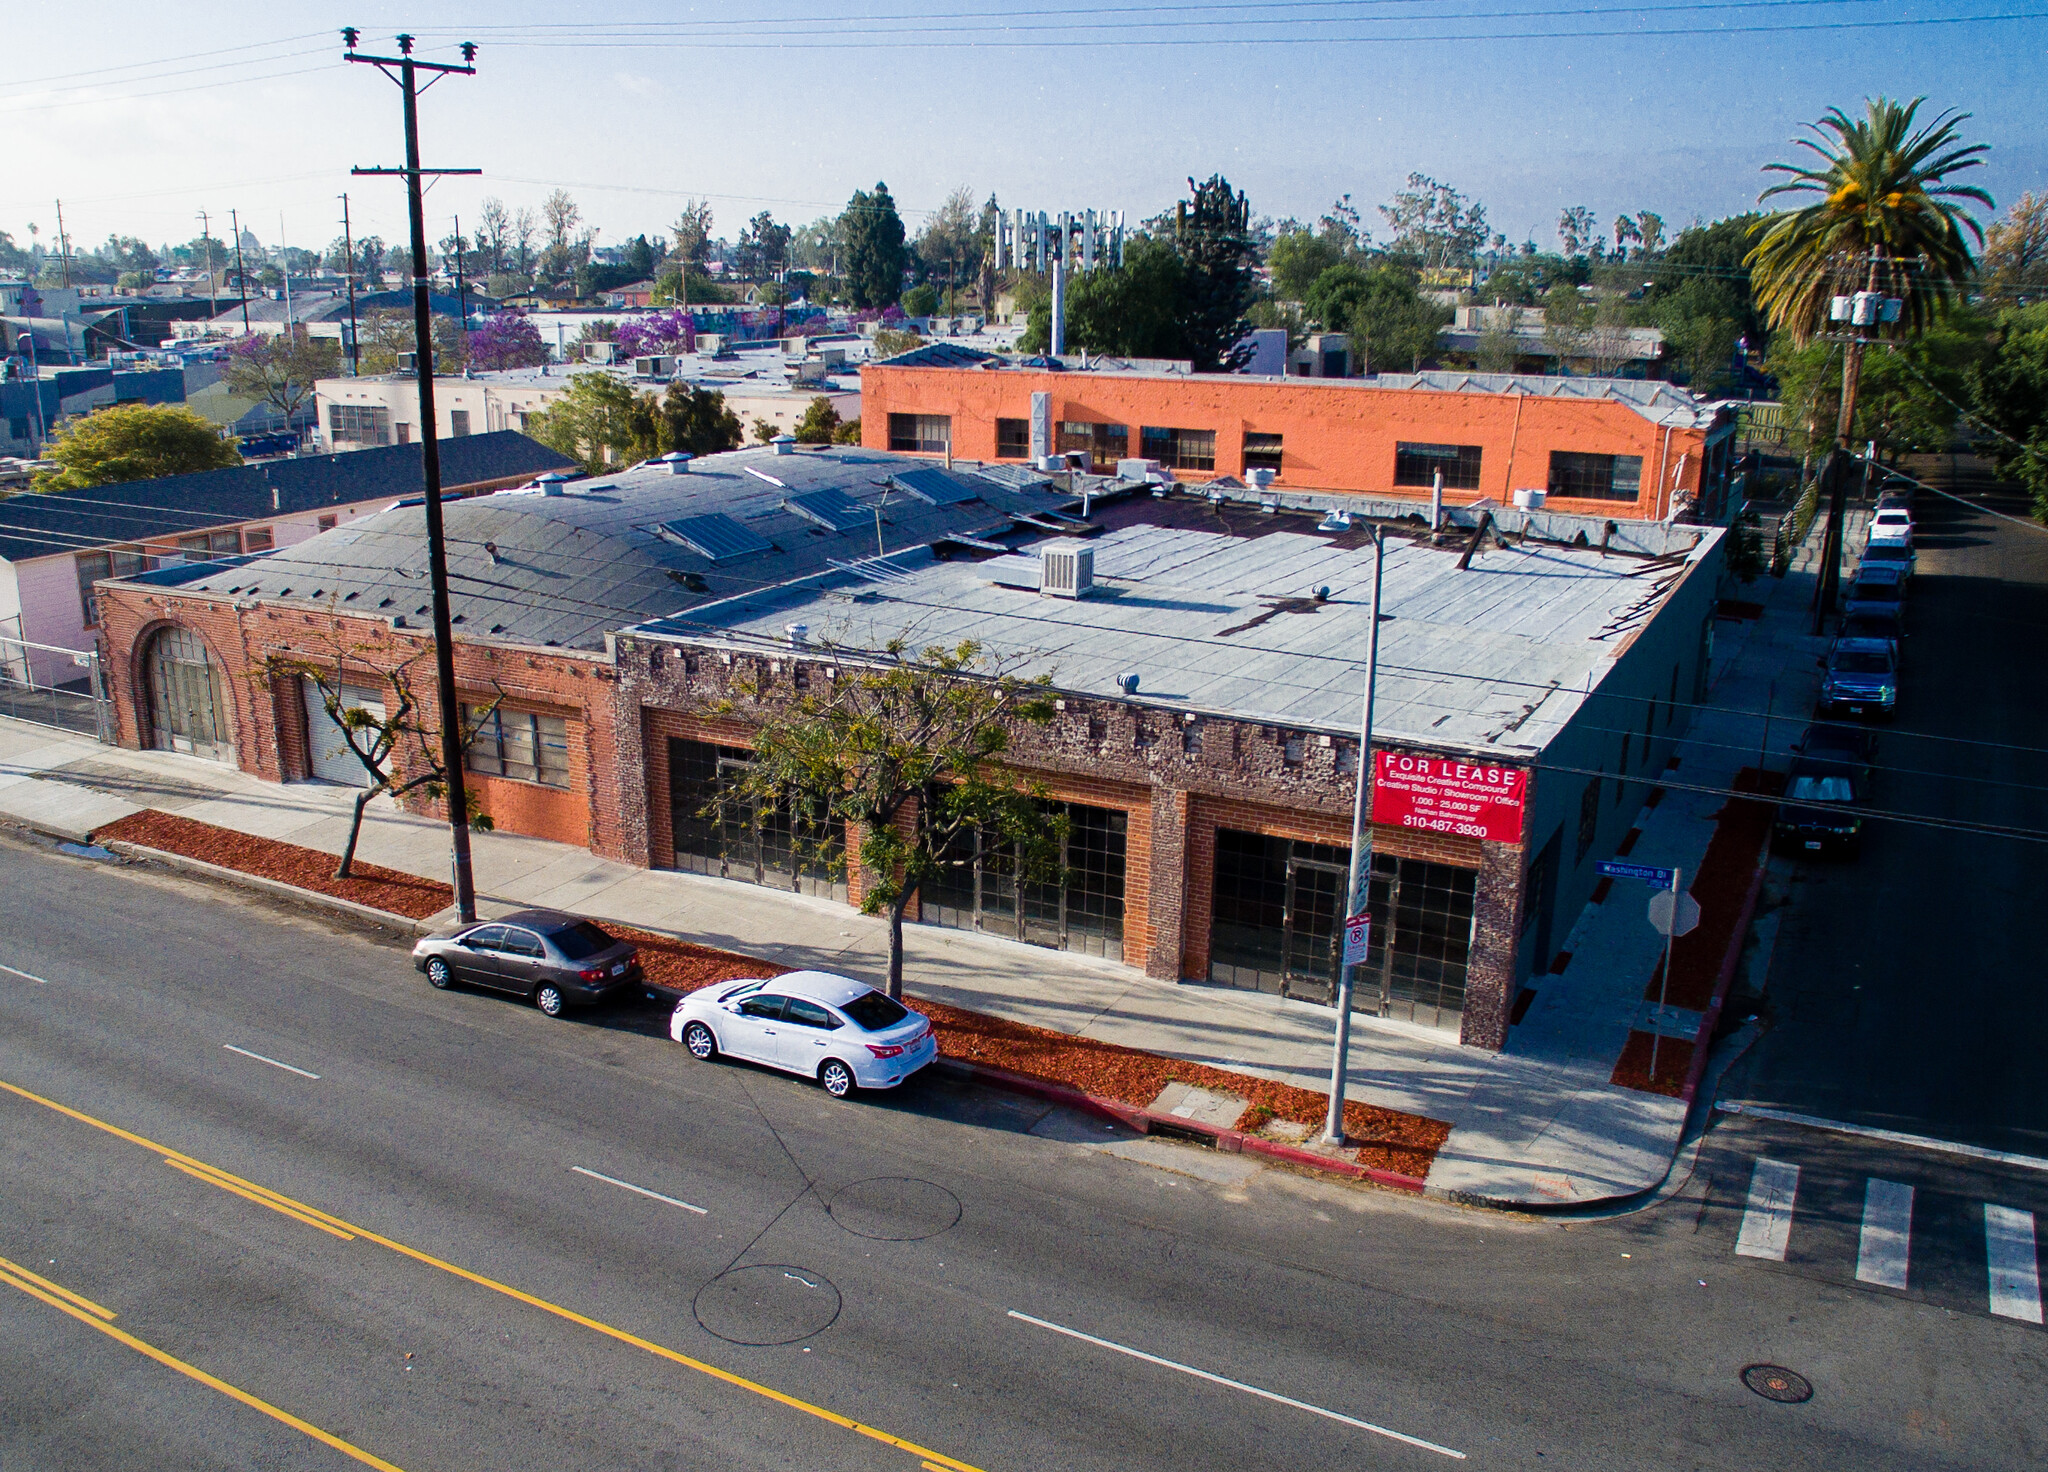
(332, 761)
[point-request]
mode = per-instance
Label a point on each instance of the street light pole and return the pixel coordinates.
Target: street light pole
(452, 742)
(1358, 888)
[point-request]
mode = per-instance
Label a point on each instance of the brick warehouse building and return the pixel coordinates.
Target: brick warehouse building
(1209, 804)
(1604, 447)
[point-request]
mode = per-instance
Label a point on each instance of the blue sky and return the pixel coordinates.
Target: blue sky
(789, 105)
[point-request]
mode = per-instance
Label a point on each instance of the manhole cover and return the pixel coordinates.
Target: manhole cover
(895, 1209)
(771, 1303)
(1775, 1382)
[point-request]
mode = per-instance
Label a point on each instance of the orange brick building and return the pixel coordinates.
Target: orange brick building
(1622, 448)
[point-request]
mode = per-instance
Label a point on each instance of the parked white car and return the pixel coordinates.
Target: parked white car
(839, 1031)
(1892, 524)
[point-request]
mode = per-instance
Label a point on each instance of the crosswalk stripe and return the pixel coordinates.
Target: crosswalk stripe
(2015, 1269)
(1767, 1219)
(1887, 1235)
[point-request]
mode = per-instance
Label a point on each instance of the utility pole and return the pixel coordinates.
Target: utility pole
(241, 271)
(406, 76)
(461, 286)
(63, 243)
(1358, 891)
(1837, 466)
(348, 274)
(206, 237)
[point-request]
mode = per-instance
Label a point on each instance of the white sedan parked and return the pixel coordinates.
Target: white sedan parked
(831, 1028)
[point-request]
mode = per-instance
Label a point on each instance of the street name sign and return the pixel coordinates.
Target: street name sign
(1648, 873)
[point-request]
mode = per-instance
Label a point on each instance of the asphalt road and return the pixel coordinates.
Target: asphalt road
(1905, 989)
(437, 1284)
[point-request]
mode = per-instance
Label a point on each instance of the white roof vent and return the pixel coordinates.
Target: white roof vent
(551, 484)
(677, 461)
(1066, 569)
(785, 444)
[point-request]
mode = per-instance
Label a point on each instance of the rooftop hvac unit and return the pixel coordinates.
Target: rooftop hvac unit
(658, 365)
(408, 363)
(1066, 569)
(600, 352)
(1136, 470)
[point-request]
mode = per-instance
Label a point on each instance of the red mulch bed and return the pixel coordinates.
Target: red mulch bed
(1391, 1141)
(267, 858)
(1674, 1061)
(1402, 1143)
(1720, 887)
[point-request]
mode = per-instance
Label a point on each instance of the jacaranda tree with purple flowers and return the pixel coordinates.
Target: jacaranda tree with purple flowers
(672, 331)
(507, 340)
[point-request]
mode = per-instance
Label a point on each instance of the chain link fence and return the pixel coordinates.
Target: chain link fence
(52, 686)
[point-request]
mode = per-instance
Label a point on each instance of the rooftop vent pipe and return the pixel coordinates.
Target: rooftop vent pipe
(1127, 683)
(799, 634)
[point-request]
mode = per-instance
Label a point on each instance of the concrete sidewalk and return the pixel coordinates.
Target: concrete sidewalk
(1538, 1124)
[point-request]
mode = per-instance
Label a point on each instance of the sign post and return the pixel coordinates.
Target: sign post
(1674, 914)
(1361, 869)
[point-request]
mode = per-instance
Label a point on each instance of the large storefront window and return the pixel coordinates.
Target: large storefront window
(1085, 914)
(189, 706)
(719, 833)
(1104, 444)
(1277, 908)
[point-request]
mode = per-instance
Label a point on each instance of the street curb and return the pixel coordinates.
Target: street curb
(1228, 1141)
(312, 898)
(1704, 1038)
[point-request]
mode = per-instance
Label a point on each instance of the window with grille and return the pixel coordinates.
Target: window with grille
(1417, 465)
(920, 434)
(1180, 449)
(1081, 910)
(115, 562)
(359, 424)
(458, 423)
(523, 745)
(258, 539)
(1104, 444)
(210, 544)
(718, 830)
(1261, 452)
(1596, 477)
(1013, 439)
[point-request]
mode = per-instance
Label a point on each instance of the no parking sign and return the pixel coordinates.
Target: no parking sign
(1357, 938)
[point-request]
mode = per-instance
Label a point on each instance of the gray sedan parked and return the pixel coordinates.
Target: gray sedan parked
(555, 961)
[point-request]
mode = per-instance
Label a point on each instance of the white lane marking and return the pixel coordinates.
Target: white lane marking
(1767, 1219)
(1887, 1237)
(2015, 1269)
(24, 975)
(1893, 1137)
(271, 1061)
(1299, 1405)
(640, 1190)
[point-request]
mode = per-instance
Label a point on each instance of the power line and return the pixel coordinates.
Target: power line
(167, 60)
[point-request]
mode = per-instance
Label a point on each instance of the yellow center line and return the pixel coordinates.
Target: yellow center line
(292, 1206)
(299, 1216)
(233, 1392)
(57, 1288)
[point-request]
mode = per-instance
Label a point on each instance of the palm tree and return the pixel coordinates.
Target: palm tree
(1887, 218)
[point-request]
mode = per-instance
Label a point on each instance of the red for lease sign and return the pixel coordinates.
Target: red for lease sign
(1447, 795)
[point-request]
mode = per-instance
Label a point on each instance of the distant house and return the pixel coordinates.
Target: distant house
(1595, 351)
(54, 546)
(636, 296)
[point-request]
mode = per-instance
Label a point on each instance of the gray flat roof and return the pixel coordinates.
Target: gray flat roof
(1492, 658)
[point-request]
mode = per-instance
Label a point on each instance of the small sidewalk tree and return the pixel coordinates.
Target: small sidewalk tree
(400, 750)
(908, 750)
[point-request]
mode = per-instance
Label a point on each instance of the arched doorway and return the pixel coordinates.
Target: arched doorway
(188, 697)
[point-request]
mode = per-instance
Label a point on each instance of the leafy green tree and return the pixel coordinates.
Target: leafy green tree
(921, 301)
(1298, 260)
(1910, 393)
(1393, 325)
(2009, 389)
(819, 424)
(693, 420)
(1434, 225)
(848, 433)
(1219, 265)
(905, 752)
(1883, 194)
(134, 442)
(598, 422)
(2016, 255)
(386, 332)
(281, 371)
(1700, 297)
(871, 232)
(1332, 296)
(763, 249)
(1136, 311)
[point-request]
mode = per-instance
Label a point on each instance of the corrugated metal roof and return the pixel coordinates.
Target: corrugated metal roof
(1491, 657)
